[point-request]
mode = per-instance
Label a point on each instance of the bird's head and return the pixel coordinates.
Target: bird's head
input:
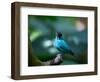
(59, 34)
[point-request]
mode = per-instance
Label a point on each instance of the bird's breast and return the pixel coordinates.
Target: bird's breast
(57, 43)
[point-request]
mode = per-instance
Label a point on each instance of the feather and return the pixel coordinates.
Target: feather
(62, 46)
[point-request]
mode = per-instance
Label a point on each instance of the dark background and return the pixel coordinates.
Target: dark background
(42, 31)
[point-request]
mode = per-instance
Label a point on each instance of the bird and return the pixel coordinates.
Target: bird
(61, 45)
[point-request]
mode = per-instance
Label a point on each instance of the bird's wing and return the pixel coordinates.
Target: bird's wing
(63, 45)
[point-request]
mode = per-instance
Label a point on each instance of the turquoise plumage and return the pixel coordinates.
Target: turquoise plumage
(61, 45)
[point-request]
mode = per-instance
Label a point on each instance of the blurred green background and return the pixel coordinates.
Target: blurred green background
(42, 31)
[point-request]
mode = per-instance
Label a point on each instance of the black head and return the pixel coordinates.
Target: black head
(59, 34)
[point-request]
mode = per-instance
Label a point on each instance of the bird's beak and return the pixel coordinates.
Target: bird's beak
(57, 33)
